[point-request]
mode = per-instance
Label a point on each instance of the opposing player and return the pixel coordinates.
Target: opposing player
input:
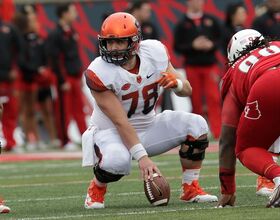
(250, 115)
(125, 82)
(3, 207)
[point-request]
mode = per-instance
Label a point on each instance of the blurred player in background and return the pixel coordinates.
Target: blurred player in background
(197, 37)
(3, 207)
(10, 54)
(235, 18)
(142, 11)
(268, 24)
(251, 94)
(125, 82)
(45, 80)
(35, 78)
(66, 64)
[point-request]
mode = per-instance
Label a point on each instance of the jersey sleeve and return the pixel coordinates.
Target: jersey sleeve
(94, 82)
(156, 52)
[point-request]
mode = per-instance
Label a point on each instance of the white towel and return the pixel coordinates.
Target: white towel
(89, 156)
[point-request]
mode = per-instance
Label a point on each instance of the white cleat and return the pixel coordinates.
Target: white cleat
(95, 196)
(89, 204)
(194, 193)
(264, 192)
(265, 186)
(4, 209)
(203, 198)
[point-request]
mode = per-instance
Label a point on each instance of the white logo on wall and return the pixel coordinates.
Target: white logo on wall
(252, 111)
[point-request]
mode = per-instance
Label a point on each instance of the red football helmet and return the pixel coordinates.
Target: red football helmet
(119, 25)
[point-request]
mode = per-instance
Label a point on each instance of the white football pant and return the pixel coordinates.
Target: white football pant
(168, 130)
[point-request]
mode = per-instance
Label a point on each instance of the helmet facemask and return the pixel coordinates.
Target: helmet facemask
(119, 57)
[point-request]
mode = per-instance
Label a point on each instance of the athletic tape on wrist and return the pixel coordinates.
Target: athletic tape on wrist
(138, 151)
(179, 87)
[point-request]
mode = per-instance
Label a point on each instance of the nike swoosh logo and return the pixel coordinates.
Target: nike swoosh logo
(148, 76)
(157, 188)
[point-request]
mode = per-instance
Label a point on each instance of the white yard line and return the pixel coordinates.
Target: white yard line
(167, 210)
(63, 174)
(81, 182)
(111, 194)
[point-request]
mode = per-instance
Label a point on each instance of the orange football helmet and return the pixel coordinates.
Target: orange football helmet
(121, 26)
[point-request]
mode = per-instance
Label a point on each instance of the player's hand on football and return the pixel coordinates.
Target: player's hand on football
(147, 168)
(168, 80)
(226, 199)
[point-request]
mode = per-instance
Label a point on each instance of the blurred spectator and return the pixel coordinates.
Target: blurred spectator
(67, 65)
(45, 93)
(103, 17)
(3, 207)
(260, 9)
(197, 38)
(236, 16)
(35, 78)
(268, 24)
(10, 53)
(141, 10)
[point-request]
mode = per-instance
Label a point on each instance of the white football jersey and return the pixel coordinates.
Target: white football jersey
(137, 93)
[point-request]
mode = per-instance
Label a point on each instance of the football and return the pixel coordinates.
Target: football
(157, 190)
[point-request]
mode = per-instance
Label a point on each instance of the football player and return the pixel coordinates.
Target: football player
(3, 207)
(125, 82)
(251, 94)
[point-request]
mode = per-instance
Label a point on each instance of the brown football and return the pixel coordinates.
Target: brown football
(157, 190)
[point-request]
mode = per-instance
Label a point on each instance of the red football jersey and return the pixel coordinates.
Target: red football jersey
(244, 72)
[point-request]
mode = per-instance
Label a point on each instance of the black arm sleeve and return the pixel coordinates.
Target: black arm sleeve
(182, 40)
(217, 34)
(54, 52)
(18, 47)
(27, 66)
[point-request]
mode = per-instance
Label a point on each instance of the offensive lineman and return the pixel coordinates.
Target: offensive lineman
(125, 82)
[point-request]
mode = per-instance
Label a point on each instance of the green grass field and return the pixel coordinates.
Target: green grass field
(50, 190)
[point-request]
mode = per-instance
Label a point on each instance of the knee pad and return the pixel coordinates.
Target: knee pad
(104, 176)
(201, 145)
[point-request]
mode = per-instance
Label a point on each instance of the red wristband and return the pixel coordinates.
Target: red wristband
(227, 180)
